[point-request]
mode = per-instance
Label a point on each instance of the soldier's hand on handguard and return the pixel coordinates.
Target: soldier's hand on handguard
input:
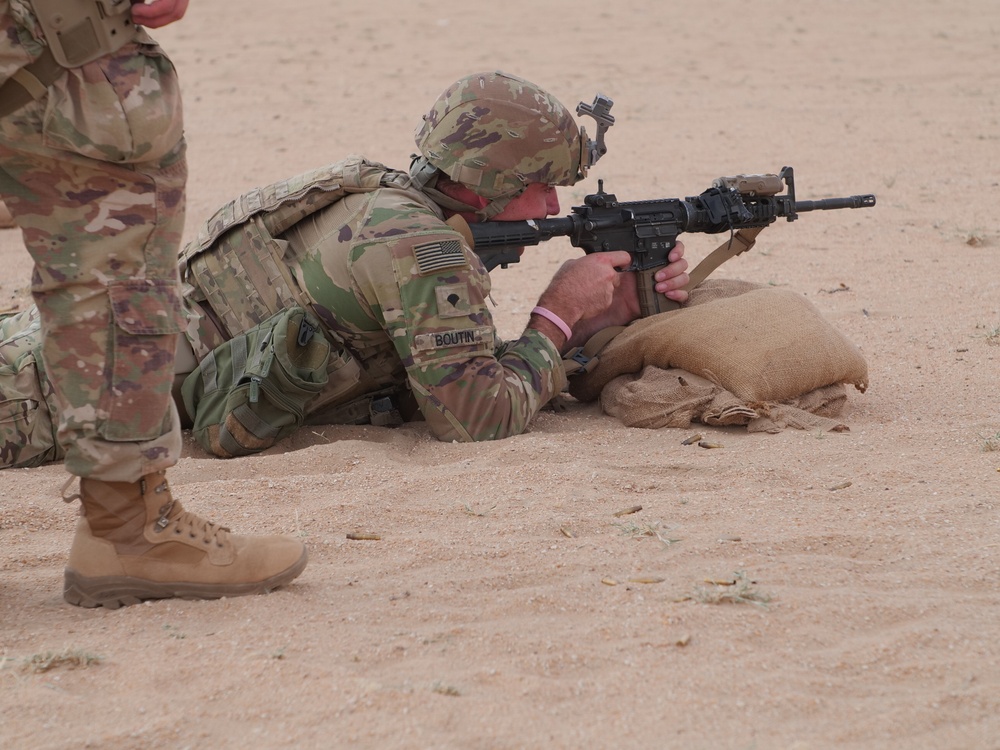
(157, 13)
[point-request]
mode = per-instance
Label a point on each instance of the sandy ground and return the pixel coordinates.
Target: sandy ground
(506, 605)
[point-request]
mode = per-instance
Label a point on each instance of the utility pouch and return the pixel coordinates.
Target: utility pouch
(251, 391)
(78, 31)
(28, 410)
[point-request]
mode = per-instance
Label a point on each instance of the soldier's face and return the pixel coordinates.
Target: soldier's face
(536, 202)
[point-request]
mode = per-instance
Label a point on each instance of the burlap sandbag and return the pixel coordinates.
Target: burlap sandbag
(675, 398)
(759, 343)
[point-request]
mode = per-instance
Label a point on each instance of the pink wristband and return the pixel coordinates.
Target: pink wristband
(552, 317)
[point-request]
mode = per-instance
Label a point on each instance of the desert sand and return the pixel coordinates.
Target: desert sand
(506, 605)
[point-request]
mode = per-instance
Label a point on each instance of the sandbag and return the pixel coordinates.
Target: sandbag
(759, 343)
(658, 398)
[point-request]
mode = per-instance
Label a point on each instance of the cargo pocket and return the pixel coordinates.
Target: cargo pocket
(122, 108)
(146, 314)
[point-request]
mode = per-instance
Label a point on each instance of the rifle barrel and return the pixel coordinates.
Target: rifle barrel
(851, 201)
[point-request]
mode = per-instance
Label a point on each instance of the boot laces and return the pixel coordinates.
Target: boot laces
(172, 517)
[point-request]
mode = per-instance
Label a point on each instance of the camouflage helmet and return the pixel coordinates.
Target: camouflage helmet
(496, 134)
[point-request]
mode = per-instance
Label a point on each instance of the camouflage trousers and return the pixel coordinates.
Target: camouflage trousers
(94, 174)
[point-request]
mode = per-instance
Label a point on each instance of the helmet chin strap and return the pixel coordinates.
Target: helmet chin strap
(424, 176)
(496, 205)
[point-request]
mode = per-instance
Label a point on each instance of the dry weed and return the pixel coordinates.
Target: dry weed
(992, 443)
(740, 590)
(654, 529)
(65, 659)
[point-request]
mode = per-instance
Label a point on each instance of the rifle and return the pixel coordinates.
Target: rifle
(742, 205)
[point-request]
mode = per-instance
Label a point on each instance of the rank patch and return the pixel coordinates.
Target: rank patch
(437, 255)
(453, 300)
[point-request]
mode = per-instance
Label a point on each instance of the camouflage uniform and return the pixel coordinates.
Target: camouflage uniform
(100, 201)
(403, 300)
(401, 295)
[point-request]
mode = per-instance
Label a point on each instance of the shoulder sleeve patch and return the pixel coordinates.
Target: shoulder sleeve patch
(437, 255)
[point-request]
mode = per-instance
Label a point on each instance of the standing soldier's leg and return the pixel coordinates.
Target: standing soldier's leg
(103, 238)
(94, 174)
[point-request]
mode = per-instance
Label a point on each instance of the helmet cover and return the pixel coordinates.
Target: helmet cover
(496, 134)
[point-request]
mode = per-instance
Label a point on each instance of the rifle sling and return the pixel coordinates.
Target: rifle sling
(584, 358)
(737, 244)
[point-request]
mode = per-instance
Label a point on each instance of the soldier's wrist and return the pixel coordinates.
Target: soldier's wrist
(548, 329)
(558, 322)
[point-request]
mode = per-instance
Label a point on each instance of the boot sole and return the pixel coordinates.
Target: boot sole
(112, 592)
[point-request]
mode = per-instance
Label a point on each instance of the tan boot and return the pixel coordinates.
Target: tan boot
(135, 542)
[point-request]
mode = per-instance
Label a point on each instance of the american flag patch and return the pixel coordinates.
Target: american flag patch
(433, 256)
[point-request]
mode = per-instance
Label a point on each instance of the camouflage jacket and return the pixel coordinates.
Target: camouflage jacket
(400, 293)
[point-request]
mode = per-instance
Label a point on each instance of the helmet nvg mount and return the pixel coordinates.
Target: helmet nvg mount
(496, 134)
